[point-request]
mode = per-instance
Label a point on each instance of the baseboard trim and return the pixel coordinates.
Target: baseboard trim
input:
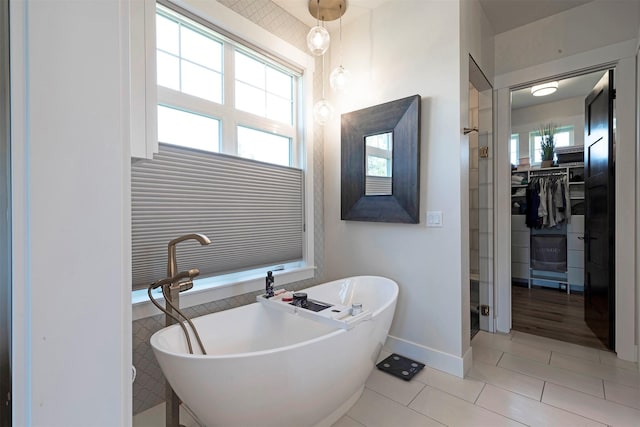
(436, 359)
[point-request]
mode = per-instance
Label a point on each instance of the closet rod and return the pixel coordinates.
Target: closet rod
(539, 174)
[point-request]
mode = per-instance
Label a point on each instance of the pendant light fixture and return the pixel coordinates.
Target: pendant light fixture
(339, 77)
(318, 38)
(323, 110)
(318, 41)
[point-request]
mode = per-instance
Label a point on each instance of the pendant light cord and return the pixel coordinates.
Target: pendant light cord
(341, 34)
(322, 77)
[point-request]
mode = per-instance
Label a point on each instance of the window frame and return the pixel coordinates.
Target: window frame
(229, 116)
(145, 92)
(534, 133)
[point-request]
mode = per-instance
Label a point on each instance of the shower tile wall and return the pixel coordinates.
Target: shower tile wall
(474, 193)
(481, 198)
(148, 388)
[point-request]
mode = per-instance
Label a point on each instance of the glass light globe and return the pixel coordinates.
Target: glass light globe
(318, 40)
(322, 111)
(339, 78)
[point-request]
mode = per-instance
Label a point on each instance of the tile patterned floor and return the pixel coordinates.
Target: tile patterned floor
(517, 379)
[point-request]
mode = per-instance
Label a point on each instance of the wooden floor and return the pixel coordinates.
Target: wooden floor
(553, 314)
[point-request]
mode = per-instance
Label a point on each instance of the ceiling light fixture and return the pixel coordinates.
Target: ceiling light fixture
(544, 89)
(318, 41)
(318, 38)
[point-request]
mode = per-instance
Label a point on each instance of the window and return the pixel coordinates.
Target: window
(514, 149)
(229, 98)
(189, 58)
(563, 137)
(229, 159)
(379, 154)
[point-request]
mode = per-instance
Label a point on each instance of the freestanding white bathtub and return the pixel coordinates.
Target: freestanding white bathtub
(266, 367)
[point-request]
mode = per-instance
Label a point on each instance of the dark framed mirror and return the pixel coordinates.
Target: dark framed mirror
(381, 162)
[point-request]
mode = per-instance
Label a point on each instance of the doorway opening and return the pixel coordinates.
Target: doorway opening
(552, 211)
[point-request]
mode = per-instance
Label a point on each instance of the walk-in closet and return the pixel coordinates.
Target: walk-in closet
(548, 212)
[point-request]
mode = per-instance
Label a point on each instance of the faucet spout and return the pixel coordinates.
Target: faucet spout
(172, 266)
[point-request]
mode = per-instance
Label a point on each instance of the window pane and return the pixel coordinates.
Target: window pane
(381, 140)
(537, 153)
(250, 71)
(168, 70)
(262, 146)
(179, 127)
(167, 35)
(514, 150)
(279, 83)
(250, 99)
(377, 166)
(201, 49)
(201, 82)
(562, 139)
(279, 109)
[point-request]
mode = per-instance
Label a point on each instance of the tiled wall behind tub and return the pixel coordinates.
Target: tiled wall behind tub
(148, 388)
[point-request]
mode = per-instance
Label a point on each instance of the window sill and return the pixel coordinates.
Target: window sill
(216, 288)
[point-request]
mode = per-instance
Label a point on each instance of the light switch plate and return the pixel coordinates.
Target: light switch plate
(434, 219)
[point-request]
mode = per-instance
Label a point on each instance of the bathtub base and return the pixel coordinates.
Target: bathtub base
(341, 410)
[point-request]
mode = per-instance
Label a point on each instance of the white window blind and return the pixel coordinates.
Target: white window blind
(253, 213)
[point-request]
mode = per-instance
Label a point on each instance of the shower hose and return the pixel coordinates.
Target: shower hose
(164, 284)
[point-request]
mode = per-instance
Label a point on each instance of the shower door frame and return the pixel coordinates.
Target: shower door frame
(5, 224)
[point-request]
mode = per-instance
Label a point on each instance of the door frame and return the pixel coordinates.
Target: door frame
(621, 57)
(5, 223)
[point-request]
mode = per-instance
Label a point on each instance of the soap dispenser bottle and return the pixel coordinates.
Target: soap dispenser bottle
(269, 284)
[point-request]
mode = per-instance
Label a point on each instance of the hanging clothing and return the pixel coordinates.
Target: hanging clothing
(548, 202)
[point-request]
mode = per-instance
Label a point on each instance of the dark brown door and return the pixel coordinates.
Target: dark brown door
(599, 279)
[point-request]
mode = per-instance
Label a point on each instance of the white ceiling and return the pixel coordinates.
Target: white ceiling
(578, 86)
(506, 15)
(502, 14)
(355, 8)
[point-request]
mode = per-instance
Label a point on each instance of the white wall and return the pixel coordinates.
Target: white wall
(574, 31)
(426, 262)
(72, 321)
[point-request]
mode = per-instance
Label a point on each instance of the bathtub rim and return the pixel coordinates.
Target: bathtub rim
(155, 337)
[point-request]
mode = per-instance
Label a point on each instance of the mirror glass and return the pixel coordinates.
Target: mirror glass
(379, 157)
